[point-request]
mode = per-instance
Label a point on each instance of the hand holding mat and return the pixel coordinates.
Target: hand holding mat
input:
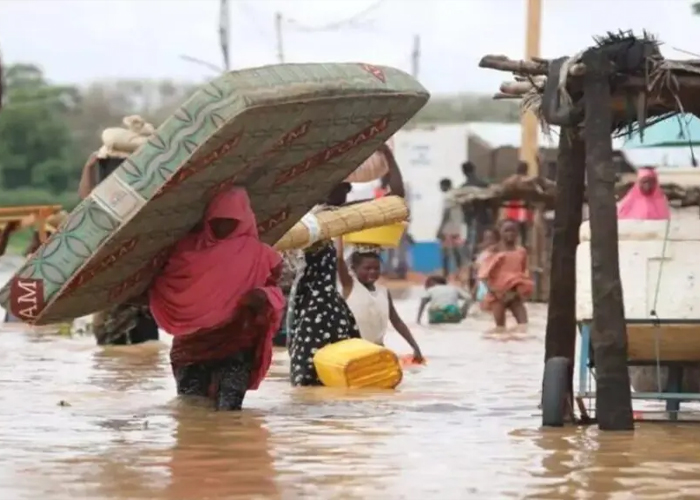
(344, 220)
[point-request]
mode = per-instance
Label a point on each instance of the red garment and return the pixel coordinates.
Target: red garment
(638, 205)
(380, 192)
(202, 287)
(250, 330)
(517, 211)
(505, 271)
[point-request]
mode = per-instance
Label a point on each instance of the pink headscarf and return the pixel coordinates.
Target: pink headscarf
(641, 206)
(205, 278)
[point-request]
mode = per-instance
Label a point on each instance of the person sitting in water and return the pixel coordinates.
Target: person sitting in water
(443, 302)
(646, 200)
(506, 276)
(371, 303)
(218, 296)
(128, 323)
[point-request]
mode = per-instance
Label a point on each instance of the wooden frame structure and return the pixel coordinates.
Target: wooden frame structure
(39, 216)
(620, 83)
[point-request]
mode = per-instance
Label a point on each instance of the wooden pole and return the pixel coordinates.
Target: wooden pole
(529, 146)
(415, 56)
(224, 34)
(560, 337)
(278, 35)
(609, 333)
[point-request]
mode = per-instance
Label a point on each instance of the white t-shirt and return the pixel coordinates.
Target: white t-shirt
(444, 295)
(454, 225)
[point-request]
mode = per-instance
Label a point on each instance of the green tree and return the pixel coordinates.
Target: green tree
(36, 146)
(696, 8)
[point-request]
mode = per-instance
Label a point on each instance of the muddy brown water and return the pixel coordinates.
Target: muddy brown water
(82, 422)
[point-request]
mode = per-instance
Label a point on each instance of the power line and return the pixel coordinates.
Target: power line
(349, 22)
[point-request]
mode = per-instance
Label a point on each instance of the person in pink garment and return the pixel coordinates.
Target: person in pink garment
(218, 297)
(646, 200)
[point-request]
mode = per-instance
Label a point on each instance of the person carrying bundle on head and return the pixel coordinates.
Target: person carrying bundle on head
(127, 323)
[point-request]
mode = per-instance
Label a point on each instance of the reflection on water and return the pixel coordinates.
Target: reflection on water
(81, 422)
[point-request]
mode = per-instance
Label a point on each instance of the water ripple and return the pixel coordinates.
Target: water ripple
(81, 422)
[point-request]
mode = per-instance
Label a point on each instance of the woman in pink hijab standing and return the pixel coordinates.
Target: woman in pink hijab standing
(646, 200)
(218, 297)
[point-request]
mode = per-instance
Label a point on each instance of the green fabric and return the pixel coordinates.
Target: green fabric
(448, 314)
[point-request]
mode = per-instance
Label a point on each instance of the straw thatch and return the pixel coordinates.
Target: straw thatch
(646, 87)
(534, 190)
(543, 192)
(344, 220)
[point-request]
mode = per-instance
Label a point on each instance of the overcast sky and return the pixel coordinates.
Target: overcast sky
(82, 40)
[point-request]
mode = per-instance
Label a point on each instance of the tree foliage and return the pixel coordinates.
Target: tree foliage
(47, 131)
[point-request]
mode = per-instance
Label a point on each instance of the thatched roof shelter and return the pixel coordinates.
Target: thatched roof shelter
(620, 84)
(645, 86)
(543, 192)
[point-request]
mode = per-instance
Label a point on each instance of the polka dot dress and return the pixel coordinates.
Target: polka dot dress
(320, 315)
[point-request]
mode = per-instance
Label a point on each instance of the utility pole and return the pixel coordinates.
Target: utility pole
(529, 147)
(415, 57)
(224, 33)
(278, 34)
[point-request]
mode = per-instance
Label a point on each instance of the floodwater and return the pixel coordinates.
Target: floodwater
(82, 422)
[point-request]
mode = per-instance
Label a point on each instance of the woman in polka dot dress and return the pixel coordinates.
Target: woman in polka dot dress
(321, 316)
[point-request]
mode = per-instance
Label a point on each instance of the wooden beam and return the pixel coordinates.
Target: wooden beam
(609, 334)
(524, 67)
(560, 337)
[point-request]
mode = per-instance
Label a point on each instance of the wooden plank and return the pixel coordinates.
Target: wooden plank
(676, 342)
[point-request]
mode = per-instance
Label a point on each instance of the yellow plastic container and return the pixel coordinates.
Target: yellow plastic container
(383, 236)
(357, 363)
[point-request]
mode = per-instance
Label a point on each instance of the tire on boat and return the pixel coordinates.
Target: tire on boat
(555, 386)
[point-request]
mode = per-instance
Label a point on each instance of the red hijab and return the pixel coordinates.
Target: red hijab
(205, 278)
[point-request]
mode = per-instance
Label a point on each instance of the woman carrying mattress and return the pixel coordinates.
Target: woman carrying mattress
(218, 296)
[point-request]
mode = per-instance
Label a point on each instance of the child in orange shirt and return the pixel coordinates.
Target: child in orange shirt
(506, 276)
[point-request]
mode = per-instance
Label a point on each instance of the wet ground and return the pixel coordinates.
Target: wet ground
(81, 422)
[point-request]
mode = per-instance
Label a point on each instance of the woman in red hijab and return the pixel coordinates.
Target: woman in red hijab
(218, 296)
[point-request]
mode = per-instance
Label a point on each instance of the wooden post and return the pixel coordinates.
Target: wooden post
(279, 37)
(560, 338)
(529, 141)
(609, 333)
(536, 251)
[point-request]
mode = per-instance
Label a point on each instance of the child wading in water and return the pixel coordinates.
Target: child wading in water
(487, 248)
(506, 276)
(370, 303)
(443, 302)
